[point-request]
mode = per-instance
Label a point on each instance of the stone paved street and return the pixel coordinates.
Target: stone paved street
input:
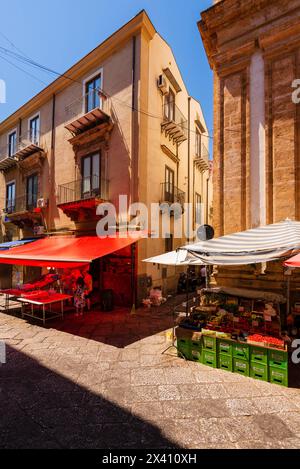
(102, 382)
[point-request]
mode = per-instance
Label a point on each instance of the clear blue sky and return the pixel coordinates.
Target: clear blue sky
(57, 33)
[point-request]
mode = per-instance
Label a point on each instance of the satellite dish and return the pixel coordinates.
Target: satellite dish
(205, 233)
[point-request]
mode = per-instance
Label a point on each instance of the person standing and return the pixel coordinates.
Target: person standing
(88, 282)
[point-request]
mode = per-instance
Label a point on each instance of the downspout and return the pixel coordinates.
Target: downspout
(189, 166)
(52, 192)
(134, 173)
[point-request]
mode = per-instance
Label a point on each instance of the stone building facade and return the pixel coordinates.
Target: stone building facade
(253, 48)
(119, 122)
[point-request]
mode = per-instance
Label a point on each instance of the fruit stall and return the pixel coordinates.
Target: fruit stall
(237, 331)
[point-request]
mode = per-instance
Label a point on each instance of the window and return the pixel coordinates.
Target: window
(170, 106)
(12, 144)
(169, 243)
(198, 209)
(32, 191)
(10, 197)
(34, 130)
(169, 185)
(91, 175)
(92, 89)
(198, 143)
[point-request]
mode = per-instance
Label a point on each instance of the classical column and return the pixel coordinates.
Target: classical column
(257, 140)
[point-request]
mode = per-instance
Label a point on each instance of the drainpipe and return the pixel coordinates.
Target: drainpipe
(134, 173)
(189, 165)
(52, 192)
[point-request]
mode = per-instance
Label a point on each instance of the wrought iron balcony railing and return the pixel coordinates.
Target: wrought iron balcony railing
(171, 194)
(82, 189)
(25, 145)
(201, 157)
(174, 123)
(23, 203)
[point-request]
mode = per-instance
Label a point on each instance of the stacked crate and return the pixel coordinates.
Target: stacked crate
(241, 355)
(209, 351)
(259, 363)
(225, 355)
(278, 367)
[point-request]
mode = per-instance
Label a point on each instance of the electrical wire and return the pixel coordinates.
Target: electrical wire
(27, 60)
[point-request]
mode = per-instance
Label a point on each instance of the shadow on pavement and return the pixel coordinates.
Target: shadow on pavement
(42, 409)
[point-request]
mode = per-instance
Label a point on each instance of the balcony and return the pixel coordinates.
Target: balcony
(26, 146)
(174, 125)
(171, 194)
(23, 210)
(81, 119)
(79, 199)
(201, 157)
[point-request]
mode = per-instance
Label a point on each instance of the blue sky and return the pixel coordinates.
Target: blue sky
(57, 33)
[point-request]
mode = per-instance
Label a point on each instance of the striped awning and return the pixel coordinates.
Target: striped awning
(263, 244)
(254, 246)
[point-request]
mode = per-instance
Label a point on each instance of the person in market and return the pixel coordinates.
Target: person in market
(88, 282)
(79, 297)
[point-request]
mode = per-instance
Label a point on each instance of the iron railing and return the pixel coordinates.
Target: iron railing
(80, 106)
(23, 203)
(171, 194)
(172, 114)
(82, 189)
(25, 140)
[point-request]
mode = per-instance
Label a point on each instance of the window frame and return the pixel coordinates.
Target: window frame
(7, 185)
(32, 205)
(92, 191)
(168, 105)
(169, 171)
(198, 143)
(197, 215)
(12, 132)
(32, 118)
(85, 82)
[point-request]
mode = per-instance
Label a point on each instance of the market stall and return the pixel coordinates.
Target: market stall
(237, 330)
(74, 258)
(249, 324)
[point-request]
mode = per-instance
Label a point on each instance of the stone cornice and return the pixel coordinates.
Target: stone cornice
(225, 41)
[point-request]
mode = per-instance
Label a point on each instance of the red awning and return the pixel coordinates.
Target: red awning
(293, 261)
(65, 252)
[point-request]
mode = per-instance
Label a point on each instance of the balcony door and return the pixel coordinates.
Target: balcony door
(92, 89)
(12, 144)
(10, 197)
(170, 106)
(32, 191)
(34, 130)
(169, 185)
(90, 176)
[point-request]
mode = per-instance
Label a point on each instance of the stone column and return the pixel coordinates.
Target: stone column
(257, 140)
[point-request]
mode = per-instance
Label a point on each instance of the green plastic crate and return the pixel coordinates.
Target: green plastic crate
(209, 358)
(241, 351)
(241, 366)
(184, 348)
(278, 359)
(225, 362)
(225, 347)
(259, 355)
(196, 351)
(278, 376)
(259, 371)
(209, 343)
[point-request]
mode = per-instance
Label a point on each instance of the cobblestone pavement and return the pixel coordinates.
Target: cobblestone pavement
(102, 382)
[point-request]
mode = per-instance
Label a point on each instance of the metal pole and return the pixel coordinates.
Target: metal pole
(187, 291)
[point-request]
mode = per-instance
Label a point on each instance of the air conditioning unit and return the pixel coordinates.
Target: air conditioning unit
(162, 84)
(41, 203)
